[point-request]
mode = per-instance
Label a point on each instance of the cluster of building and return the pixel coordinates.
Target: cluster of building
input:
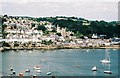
(23, 32)
(0, 31)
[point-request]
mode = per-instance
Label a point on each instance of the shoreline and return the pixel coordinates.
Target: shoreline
(2, 49)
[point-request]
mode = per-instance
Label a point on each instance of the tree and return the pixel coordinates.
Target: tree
(6, 44)
(16, 44)
(41, 27)
(46, 42)
(59, 34)
(33, 25)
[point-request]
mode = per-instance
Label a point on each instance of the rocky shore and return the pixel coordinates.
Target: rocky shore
(47, 47)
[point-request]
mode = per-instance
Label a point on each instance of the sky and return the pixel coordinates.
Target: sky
(89, 9)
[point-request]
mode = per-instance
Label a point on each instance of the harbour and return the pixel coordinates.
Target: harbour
(58, 62)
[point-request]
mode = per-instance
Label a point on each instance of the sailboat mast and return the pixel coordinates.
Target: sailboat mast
(48, 68)
(109, 67)
(108, 56)
(106, 53)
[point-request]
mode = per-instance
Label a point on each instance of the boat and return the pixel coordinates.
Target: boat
(30, 51)
(108, 71)
(49, 73)
(38, 71)
(105, 61)
(11, 69)
(21, 74)
(14, 72)
(34, 76)
(1, 49)
(94, 68)
(27, 70)
(11, 73)
(37, 68)
(77, 65)
(107, 57)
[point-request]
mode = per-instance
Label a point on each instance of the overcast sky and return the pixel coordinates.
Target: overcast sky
(89, 9)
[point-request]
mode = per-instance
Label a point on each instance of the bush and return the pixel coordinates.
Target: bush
(46, 42)
(6, 44)
(59, 34)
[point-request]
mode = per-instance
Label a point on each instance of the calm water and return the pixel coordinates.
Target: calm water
(60, 62)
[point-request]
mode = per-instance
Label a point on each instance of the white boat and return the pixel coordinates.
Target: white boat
(105, 61)
(108, 71)
(11, 69)
(14, 72)
(30, 51)
(37, 68)
(11, 73)
(38, 71)
(49, 73)
(27, 70)
(77, 66)
(34, 76)
(94, 68)
(107, 57)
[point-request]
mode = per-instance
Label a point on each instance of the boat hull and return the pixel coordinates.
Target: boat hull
(108, 72)
(48, 73)
(94, 69)
(104, 61)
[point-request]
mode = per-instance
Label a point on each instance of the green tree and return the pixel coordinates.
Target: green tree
(59, 34)
(41, 27)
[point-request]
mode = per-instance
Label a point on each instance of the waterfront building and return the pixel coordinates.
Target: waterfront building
(94, 36)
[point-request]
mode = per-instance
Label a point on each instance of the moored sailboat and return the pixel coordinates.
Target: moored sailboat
(49, 73)
(108, 71)
(107, 57)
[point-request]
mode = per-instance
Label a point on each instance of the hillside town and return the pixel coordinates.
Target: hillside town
(25, 33)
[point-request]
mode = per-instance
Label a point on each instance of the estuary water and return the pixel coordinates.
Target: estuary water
(60, 62)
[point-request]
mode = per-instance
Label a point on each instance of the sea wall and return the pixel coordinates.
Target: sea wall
(47, 47)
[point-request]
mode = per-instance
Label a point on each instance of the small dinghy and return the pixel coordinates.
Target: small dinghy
(48, 73)
(27, 71)
(94, 68)
(14, 72)
(38, 71)
(11, 69)
(108, 72)
(37, 68)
